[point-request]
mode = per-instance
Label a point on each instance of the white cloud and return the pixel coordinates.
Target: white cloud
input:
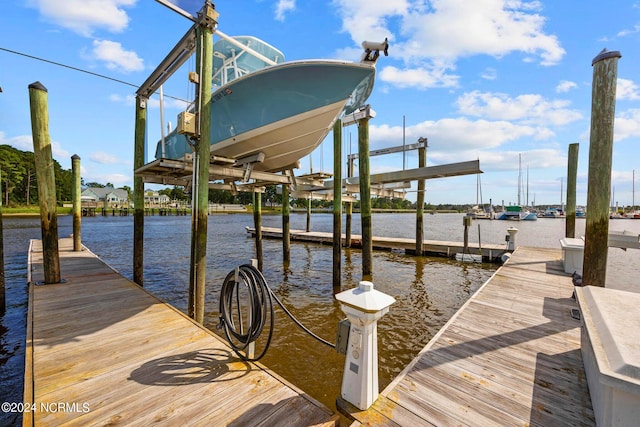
(627, 89)
(526, 108)
(117, 179)
(629, 32)
(459, 28)
(627, 125)
(25, 143)
(364, 20)
(421, 78)
(115, 57)
(443, 31)
(508, 160)
(283, 7)
(456, 135)
(104, 158)
(21, 142)
(565, 86)
(85, 16)
(489, 74)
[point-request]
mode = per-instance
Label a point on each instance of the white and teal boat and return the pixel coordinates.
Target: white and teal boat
(278, 111)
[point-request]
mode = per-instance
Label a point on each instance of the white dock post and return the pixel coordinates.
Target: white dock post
(512, 238)
(363, 306)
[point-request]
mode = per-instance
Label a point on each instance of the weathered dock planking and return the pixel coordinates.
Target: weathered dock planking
(509, 357)
(103, 351)
(489, 252)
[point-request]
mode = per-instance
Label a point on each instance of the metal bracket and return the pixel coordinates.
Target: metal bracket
(292, 179)
(247, 164)
(208, 16)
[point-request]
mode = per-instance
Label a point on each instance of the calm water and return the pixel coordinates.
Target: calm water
(427, 290)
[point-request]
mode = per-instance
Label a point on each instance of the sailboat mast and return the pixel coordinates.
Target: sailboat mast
(527, 185)
(519, 176)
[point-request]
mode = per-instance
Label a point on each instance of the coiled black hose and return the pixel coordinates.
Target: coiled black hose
(259, 308)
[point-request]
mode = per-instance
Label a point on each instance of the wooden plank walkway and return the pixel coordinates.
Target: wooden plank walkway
(509, 357)
(103, 351)
(489, 252)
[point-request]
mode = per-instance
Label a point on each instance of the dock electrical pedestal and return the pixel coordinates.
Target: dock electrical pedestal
(363, 306)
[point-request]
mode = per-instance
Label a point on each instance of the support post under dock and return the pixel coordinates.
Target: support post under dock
(113, 353)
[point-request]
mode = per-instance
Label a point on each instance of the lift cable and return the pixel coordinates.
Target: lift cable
(260, 307)
(81, 70)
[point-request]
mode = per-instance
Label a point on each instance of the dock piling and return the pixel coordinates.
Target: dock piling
(605, 71)
(337, 205)
(286, 224)
(257, 223)
(77, 203)
(138, 191)
(38, 97)
(365, 197)
(204, 61)
(572, 174)
(422, 162)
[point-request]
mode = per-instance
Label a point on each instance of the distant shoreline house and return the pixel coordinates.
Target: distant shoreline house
(113, 197)
(153, 198)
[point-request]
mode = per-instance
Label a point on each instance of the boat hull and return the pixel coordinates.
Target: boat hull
(283, 111)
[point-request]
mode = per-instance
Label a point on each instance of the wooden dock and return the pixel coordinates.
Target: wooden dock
(103, 351)
(509, 357)
(490, 253)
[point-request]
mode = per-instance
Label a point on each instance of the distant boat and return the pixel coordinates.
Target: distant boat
(551, 213)
(273, 110)
(477, 212)
(517, 213)
(580, 213)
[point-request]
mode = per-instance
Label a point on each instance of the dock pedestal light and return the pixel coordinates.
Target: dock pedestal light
(512, 238)
(363, 306)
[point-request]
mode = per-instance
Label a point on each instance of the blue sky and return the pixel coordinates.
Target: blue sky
(486, 79)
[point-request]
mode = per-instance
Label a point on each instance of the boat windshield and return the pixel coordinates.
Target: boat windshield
(231, 61)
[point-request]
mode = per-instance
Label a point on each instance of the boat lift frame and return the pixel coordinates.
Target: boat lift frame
(235, 175)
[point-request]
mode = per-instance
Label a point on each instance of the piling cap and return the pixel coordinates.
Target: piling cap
(366, 299)
(605, 54)
(38, 86)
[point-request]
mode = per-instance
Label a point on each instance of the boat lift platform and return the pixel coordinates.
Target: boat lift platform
(237, 176)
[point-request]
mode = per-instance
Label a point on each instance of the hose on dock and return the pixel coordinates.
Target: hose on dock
(259, 311)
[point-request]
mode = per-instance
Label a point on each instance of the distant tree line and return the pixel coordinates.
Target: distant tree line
(19, 183)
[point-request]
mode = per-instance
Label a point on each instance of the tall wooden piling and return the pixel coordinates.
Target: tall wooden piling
(347, 226)
(200, 216)
(38, 98)
(466, 223)
(257, 223)
(308, 214)
(572, 177)
(422, 162)
(365, 197)
(337, 205)
(605, 71)
(349, 213)
(286, 224)
(138, 190)
(76, 197)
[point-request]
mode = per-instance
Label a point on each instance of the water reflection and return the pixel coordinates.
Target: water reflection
(427, 291)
